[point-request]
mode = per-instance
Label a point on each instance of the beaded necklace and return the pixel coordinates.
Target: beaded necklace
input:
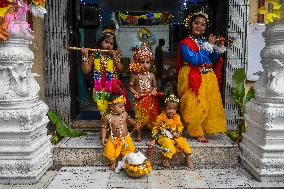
(120, 128)
(198, 40)
(144, 85)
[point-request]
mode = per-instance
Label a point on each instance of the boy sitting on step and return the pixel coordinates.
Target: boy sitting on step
(167, 133)
(116, 121)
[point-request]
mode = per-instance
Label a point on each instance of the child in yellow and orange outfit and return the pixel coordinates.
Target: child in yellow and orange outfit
(167, 132)
(116, 122)
(144, 87)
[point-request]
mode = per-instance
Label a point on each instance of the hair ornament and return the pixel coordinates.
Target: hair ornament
(173, 98)
(189, 17)
(117, 100)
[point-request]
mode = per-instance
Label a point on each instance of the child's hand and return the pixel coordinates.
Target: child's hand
(138, 126)
(212, 39)
(85, 52)
(150, 144)
(221, 41)
(177, 134)
(104, 141)
(137, 95)
(154, 92)
(116, 55)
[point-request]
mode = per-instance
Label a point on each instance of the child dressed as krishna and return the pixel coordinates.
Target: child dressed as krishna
(144, 87)
(115, 122)
(105, 67)
(167, 132)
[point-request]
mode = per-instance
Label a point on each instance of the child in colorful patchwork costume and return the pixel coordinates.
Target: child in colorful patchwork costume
(144, 87)
(116, 121)
(167, 132)
(105, 67)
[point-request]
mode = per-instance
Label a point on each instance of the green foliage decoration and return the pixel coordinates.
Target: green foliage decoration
(61, 128)
(241, 98)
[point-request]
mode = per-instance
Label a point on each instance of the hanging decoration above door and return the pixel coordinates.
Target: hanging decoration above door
(144, 19)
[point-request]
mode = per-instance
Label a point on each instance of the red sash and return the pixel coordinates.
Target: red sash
(194, 75)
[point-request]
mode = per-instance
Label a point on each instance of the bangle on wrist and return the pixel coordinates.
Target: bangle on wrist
(85, 59)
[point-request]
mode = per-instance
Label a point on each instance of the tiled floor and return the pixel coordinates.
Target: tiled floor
(102, 177)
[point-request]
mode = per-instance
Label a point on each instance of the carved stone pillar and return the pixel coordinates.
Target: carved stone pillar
(262, 148)
(25, 148)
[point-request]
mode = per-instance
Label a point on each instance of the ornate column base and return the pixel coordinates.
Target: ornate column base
(25, 149)
(262, 148)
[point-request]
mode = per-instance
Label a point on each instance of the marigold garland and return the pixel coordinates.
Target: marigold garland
(151, 18)
(103, 75)
(138, 170)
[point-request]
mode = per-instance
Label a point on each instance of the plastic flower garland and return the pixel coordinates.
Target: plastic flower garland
(151, 18)
(274, 14)
(12, 16)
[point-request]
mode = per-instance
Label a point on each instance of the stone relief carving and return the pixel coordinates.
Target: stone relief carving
(9, 167)
(17, 82)
(276, 78)
(26, 116)
(18, 78)
(10, 53)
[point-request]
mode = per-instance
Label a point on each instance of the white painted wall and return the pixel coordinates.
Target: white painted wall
(255, 45)
(127, 38)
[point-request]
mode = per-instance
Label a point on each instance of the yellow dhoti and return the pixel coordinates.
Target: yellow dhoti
(178, 144)
(205, 113)
(116, 146)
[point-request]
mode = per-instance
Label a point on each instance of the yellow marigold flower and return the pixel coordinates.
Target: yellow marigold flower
(262, 10)
(4, 10)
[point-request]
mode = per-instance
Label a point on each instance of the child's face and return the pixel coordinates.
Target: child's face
(171, 109)
(118, 108)
(198, 26)
(146, 63)
(108, 43)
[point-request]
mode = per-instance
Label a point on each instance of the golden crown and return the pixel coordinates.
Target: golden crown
(142, 52)
(173, 98)
(189, 17)
(108, 31)
(117, 100)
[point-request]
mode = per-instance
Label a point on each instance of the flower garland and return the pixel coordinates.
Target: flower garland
(138, 170)
(274, 14)
(103, 74)
(12, 16)
(149, 18)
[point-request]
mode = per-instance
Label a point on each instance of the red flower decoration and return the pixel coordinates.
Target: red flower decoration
(4, 3)
(132, 19)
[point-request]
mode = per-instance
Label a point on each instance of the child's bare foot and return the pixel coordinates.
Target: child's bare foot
(202, 139)
(189, 163)
(166, 163)
(138, 139)
(112, 166)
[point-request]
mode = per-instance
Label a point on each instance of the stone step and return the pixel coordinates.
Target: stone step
(87, 125)
(220, 152)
